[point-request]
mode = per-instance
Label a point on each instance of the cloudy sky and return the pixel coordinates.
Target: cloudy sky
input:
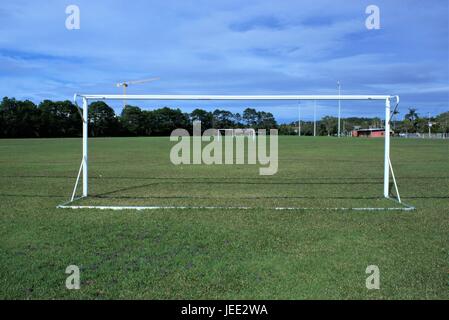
(230, 47)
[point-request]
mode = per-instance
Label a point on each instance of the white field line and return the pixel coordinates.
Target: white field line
(139, 208)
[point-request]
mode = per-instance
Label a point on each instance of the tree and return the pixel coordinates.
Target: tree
(412, 115)
(59, 119)
(376, 122)
(51, 118)
(102, 120)
(330, 124)
(132, 120)
(223, 119)
(442, 121)
(411, 120)
(238, 120)
(20, 119)
(71, 118)
(265, 120)
(163, 121)
(288, 129)
(206, 118)
(422, 125)
(250, 117)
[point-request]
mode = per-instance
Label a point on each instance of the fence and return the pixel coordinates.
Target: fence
(425, 135)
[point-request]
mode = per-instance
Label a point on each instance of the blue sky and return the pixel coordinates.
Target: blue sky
(230, 47)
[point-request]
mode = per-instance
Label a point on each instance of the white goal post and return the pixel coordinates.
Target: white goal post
(83, 170)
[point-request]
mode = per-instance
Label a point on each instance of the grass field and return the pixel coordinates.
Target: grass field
(252, 254)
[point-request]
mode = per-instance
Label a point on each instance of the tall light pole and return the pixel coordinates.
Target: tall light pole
(339, 107)
(299, 119)
(314, 119)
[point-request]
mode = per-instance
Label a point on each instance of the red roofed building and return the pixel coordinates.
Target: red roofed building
(370, 133)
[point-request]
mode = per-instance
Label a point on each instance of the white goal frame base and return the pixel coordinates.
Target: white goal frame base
(68, 205)
(83, 170)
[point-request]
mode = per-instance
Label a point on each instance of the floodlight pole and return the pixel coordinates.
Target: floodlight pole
(85, 135)
(387, 149)
(299, 119)
(314, 119)
(339, 107)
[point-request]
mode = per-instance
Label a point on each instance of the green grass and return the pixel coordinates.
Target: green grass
(251, 254)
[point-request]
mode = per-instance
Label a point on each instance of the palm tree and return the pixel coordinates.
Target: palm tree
(412, 118)
(412, 115)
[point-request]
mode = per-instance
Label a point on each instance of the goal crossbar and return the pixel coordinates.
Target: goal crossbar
(84, 162)
(229, 97)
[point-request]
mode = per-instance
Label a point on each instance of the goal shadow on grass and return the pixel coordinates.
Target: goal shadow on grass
(213, 193)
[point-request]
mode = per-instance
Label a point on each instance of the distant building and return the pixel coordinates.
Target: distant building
(370, 133)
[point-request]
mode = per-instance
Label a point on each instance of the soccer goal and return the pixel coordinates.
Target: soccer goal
(238, 132)
(83, 173)
(226, 133)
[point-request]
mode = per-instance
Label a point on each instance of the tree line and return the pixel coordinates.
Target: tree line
(24, 119)
(411, 123)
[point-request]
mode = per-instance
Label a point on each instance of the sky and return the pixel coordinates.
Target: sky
(230, 47)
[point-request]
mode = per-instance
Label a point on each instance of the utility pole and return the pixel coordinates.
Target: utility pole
(339, 107)
(299, 119)
(314, 119)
